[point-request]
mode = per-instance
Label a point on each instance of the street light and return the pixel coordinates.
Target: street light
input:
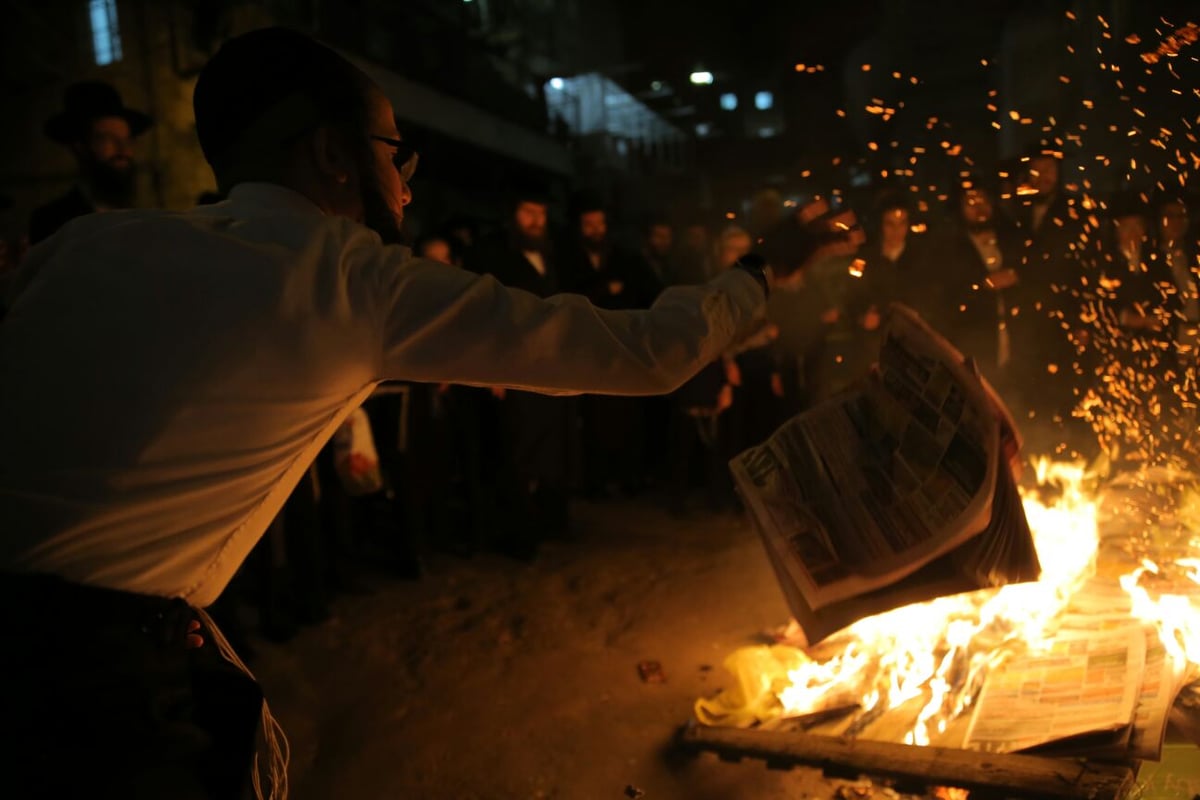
(556, 84)
(701, 78)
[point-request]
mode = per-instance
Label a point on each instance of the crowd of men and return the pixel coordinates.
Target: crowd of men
(467, 469)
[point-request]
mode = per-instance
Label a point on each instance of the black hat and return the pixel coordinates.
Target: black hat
(890, 198)
(88, 101)
(1165, 196)
(1127, 203)
(1044, 148)
(529, 190)
(584, 201)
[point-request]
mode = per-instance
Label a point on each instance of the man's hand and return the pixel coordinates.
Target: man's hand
(813, 233)
(733, 373)
(1002, 279)
(194, 639)
(725, 398)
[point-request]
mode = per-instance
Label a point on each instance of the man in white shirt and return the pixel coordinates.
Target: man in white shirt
(169, 377)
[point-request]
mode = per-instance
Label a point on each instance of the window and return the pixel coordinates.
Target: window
(729, 101)
(106, 32)
(763, 100)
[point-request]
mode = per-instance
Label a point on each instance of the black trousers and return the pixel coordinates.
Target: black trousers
(100, 697)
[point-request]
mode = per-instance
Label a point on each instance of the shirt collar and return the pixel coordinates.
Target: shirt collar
(272, 197)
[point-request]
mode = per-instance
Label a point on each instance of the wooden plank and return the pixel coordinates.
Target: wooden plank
(1020, 775)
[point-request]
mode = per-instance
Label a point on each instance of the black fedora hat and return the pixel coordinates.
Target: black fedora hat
(1128, 203)
(88, 101)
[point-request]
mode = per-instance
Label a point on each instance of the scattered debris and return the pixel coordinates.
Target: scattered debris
(651, 672)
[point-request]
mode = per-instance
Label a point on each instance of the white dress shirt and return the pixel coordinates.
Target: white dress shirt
(168, 377)
(536, 260)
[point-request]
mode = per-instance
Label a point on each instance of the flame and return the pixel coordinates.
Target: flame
(940, 650)
(935, 655)
(1176, 616)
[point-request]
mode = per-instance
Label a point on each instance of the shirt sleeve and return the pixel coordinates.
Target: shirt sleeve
(443, 324)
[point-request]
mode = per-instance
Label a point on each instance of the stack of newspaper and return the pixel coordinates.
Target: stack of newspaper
(1103, 687)
(894, 492)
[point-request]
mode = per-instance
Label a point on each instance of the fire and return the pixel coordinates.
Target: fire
(931, 658)
(1176, 616)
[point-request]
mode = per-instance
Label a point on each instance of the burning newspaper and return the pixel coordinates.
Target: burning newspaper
(895, 492)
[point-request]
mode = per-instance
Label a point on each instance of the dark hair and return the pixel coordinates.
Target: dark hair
(528, 192)
(652, 222)
(265, 89)
(892, 201)
(585, 202)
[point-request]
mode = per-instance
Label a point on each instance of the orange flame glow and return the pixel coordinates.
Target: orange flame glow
(933, 657)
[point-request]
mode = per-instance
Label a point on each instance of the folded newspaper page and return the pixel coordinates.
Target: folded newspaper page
(1083, 682)
(894, 492)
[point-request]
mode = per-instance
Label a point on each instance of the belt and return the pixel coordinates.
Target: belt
(52, 599)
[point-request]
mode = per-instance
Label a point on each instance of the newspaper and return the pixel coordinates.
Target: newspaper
(1082, 683)
(1061, 710)
(894, 492)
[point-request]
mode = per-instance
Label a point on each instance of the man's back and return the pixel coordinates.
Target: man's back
(158, 398)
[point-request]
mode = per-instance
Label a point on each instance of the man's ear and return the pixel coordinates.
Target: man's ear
(331, 156)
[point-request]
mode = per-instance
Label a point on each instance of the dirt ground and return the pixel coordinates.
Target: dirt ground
(494, 679)
(490, 679)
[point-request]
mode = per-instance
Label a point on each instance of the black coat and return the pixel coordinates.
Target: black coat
(536, 431)
(1049, 252)
(504, 260)
(968, 311)
(627, 273)
(47, 219)
(905, 280)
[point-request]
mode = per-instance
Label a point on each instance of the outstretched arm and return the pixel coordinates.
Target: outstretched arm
(441, 324)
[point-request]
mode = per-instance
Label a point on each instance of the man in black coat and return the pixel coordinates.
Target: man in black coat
(613, 427)
(535, 430)
(977, 281)
(100, 131)
(1046, 304)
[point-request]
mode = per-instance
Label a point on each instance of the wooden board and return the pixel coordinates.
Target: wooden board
(986, 773)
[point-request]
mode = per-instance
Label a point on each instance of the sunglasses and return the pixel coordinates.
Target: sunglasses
(405, 158)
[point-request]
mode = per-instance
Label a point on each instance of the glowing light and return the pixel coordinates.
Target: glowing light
(701, 78)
